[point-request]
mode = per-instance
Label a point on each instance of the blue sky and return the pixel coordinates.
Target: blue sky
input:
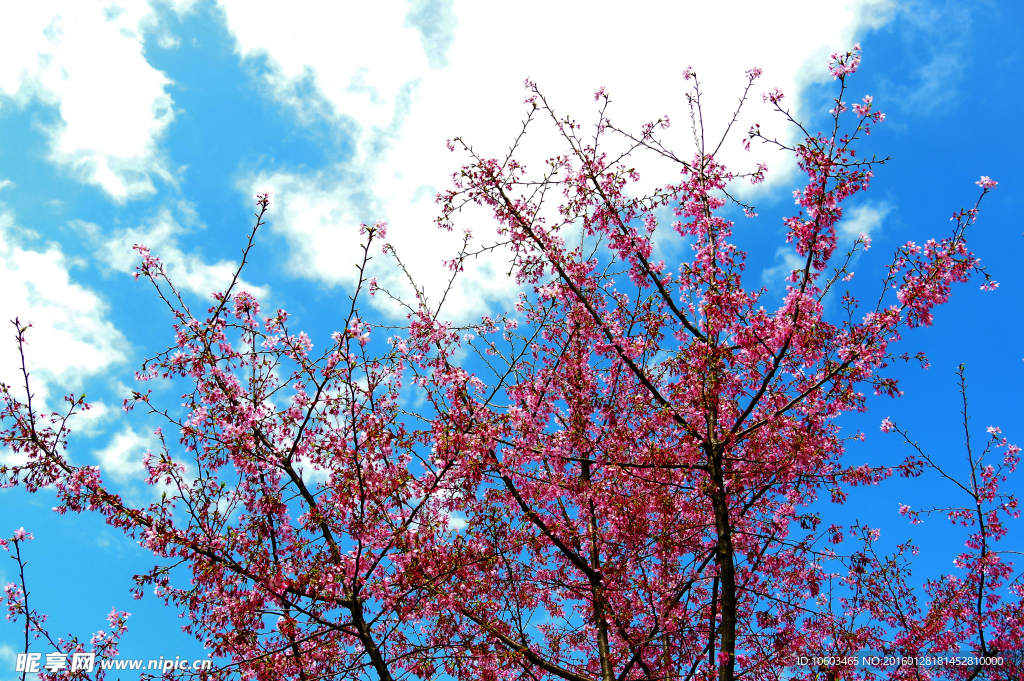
(128, 122)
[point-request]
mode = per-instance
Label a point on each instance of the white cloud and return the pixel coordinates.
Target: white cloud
(93, 421)
(86, 59)
(786, 260)
(320, 218)
(457, 521)
(182, 6)
(188, 271)
(310, 472)
(70, 340)
(8, 654)
(122, 458)
(121, 461)
(389, 90)
(168, 41)
(864, 218)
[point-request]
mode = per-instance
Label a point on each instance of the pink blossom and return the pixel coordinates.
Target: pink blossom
(774, 96)
(845, 64)
(865, 108)
(642, 437)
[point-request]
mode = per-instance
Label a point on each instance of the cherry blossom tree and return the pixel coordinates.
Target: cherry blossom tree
(619, 480)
